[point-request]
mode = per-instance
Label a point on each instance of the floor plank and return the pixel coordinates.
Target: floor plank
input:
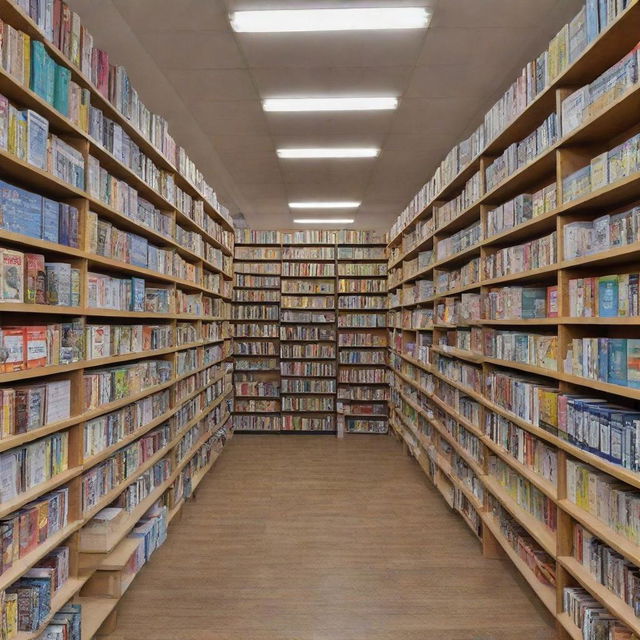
(311, 538)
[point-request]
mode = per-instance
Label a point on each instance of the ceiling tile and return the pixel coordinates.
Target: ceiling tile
(332, 49)
(330, 124)
(214, 84)
(232, 117)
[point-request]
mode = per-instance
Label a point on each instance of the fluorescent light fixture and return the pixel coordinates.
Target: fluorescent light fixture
(324, 205)
(330, 104)
(328, 153)
(352, 19)
(323, 220)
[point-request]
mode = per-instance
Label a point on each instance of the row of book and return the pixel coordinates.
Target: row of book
(361, 270)
(363, 357)
(365, 425)
(256, 295)
(309, 236)
(255, 348)
(459, 241)
(255, 364)
(611, 296)
(242, 405)
(261, 330)
(308, 253)
(360, 409)
(307, 385)
(516, 302)
(255, 312)
(534, 254)
(313, 350)
(102, 386)
(538, 350)
(524, 493)
(590, 237)
(362, 321)
(591, 99)
(27, 278)
(312, 403)
(62, 29)
(308, 269)
(566, 47)
(607, 430)
(363, 376)
(107, 430)
(521, 209)
(362, 285)
(32, 464)
(364, 394)
(258, 253)
(292, 422)
(257, 268)
(362, 339)
(24, 530)
(592, 620)
(308, 286)
(607, 566)
(361, 253)
(308, 369)
(307, 302)
(416, 293)
(464, 276)
(262, 388)
(243, 280)
(612, 360)
(604, 169)
(307, 334)
(468, 196)
(362, 302)
(252, 236)
(306, 317)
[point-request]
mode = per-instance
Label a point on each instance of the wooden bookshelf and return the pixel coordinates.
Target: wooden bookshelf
(257, 269)
(362, 335)
(451, 355)
(187, 413)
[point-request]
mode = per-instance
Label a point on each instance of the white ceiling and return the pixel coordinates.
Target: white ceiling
(208, 82)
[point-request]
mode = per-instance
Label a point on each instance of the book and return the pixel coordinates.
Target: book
(617, 355)
(633, 363)
(58, 283)
(608, 296)
(11, 276)
(35, 279)
(38, 134)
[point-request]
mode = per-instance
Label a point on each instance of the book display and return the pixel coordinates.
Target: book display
(514, 353)
(256, 380)
(362, 348)
(115, 288)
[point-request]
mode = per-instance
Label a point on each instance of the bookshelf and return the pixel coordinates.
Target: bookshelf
(257, 268)
(115, 374)
(513, 308)
(362, 334)
(308, 348)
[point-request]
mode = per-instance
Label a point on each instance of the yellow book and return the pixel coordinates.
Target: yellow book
(26, 60)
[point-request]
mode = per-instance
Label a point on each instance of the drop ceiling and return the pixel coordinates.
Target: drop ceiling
(208, 82)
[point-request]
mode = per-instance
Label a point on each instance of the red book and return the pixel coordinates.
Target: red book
(36, 347)
(34, 278)
(28, 531)
(57, 21)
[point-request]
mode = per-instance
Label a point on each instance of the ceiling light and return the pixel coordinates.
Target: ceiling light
(324, 205)
(329, 104)
(323, 220)
(328, 153)
(352, 19)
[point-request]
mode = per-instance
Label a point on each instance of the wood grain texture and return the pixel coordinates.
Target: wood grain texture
(312, 538)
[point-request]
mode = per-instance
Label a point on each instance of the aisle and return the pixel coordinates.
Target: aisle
(310, 538)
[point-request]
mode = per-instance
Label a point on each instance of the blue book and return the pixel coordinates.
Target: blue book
(608, 296)
(61, 89)
(50, 220)
(617, 361)
(20, 211)
(37, 138)
(138, 247)
(74, 220)
(618, 437)
(137, 294)
(38, 77)
(602, 15)
(49, 79)
(593, 23)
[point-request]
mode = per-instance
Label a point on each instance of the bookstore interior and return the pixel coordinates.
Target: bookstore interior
(366, 348)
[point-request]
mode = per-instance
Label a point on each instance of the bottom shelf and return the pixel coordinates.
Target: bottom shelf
(95, 611)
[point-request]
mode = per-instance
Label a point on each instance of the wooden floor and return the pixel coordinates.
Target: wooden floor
(298, 537)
